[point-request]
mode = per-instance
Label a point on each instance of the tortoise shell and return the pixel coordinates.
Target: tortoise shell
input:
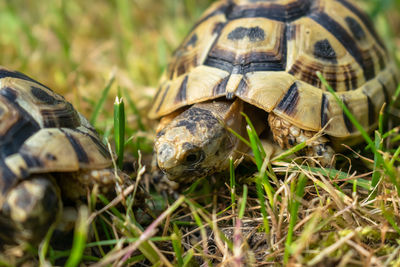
(267, 53)
(40, 132)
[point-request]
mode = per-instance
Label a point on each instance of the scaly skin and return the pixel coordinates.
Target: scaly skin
(197, 143)
(287, 135)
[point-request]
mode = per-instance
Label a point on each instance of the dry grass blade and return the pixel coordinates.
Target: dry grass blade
(127, 191)
(149, 232)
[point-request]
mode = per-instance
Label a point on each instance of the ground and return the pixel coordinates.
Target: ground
(85, 50)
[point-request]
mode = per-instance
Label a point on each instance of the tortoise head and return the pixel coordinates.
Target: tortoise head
(196, 143)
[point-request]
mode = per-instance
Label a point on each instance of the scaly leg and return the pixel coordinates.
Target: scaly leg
(287, 135)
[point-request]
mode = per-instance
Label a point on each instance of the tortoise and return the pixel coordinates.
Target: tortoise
(262, 57)
(48, 152)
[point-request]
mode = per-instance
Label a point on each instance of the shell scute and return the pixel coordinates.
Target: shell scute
(267, 53)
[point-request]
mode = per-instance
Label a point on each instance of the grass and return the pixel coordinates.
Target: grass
(119, 130)
(278, 211)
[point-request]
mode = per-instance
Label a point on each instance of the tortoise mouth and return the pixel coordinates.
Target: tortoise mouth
(188, 174)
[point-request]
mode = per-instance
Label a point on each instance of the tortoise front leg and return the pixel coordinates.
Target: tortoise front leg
(287, 135)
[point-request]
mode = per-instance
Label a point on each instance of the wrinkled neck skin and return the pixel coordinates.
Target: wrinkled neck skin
(196, 143)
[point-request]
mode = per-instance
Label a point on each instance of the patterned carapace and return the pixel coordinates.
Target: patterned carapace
(267, 53)
(40, 132)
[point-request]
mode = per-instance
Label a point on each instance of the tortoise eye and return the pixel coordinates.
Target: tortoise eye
(194, 157)
(191, 158)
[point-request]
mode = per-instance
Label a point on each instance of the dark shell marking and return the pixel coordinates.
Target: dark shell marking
(192, 117)
(283, 13)
(79, 150)
(192, 41)
(324, 109)
(25, 126)
(355, 28)
(7, 178)
(289, 102)
(254, 34)
(347, 121)
(43, 96)
(324, 50)
(182, 91)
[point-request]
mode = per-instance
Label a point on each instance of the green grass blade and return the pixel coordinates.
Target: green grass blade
(261, 179)
(143, 244)
(80, 236)
(254, 148)
(261, 198)
(188, 258)
(391, 132)
(193, 187)
(101, 101)
(259, 144)
(395, 157)
(243, 202)
(377, 162)
(114, 210)
(289, 152)
(232, 184)
(109, 242)
(199, 223)
(119, 130)
(106, 231)
(395, 98)
(390, 219)
(176, 244)
(337, 175)
(381, 120)
(241, 138)
(146, 247)
(294, 208)
(44, 246)
(261, 164)
(135, 259)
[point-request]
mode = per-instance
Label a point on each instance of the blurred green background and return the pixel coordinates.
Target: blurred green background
(73, 46)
